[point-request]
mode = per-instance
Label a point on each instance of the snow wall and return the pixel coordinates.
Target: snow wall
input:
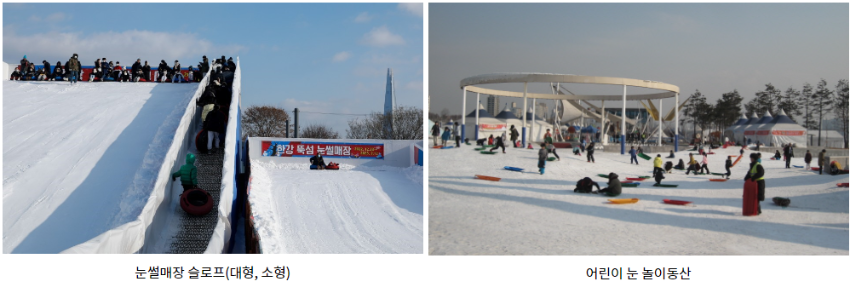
(398, 153)
(224, 233)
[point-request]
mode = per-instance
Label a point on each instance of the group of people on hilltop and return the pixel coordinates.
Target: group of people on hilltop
(104, 70)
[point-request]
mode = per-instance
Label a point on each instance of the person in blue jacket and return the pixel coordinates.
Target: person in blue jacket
(633, 154)
(446, 135)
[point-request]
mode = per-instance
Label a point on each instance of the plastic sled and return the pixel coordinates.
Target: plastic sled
(751, 201)
(667, 185)
(717, 179)
(603, 175)
(489, 146)
(838, 165)
(636, 184)
(448, 146)
(437, 146)
(816, 168)
(201, 141)
(798, 166)
(737, 160)
(480, 148)
(196, 202)
(843, 184)
(644, 156)
(551, 159)
(711, 153)
(484, 177)
(328, 167)
(645, 176)
(714, 173)
(623, 200)
(627, 181)
(487, 152)
(676, 202)
(636, 178)
(513, 168)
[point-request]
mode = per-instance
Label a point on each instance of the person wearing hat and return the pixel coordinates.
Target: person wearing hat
(24, 63)
(614, 187)
(657, 164)
(808, 159)
(47, 71)
(136, 70)
(318, 161)
(73, 67)
(188, 173)
(821, 160)
(214, 124)
(117, 71)
(231, 64)
(728, 166)
(104, 69)
(633, 156)
(514, 135)
(162, 71)
(16, 75)
(692, 165)
(205, 66)
(191, 74)
(176, 76)
(756, 174)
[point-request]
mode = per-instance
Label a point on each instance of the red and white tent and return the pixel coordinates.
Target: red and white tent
(782, 130)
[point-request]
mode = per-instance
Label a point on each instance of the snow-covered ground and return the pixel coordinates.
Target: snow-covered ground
(80, 160)
(351, 210)
(530, 213)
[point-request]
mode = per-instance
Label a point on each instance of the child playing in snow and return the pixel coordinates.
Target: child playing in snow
(728, 165)
(585, 185)
(188, 173)
(541, 157)
(658, 176)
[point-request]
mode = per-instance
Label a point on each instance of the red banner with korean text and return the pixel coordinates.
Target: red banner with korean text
(327, 149)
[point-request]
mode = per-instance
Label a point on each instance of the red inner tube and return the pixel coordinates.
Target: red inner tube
(196, 202)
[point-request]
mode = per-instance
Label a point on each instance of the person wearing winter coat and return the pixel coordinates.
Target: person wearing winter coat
(551, 148)
(163, 72)
(821, 160)
(207, 102)
(318, 161)
(633, 155)
(692, 165)
(756, 174)
(16, 75)
(104, 69)
(808, 159)
(672, 155)
(668, 167)
(585, 185)
(176, 75)
(40, 75)
(435, 131)
(188, 173)
(490, 140)
(728, 166)
(680, 165)
(656, 164)
(214, 125)
(455, 133)
(659, 175)
(25, 64)
(73, 67)
(146, 72)
(446, 135)
(205, 66)
(789, 153)
(191, 74)
(777, 155)
(514, 136)
(590, 153)
(58, 72)
(231, 64)
(542, 154)
(704, 164)
(29, 72)
(499, 143)
(47, 71)
(136, 69)
(614, 187)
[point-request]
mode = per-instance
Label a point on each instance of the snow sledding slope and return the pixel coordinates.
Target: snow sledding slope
(351, 210)
(81, 159)
(529, 213)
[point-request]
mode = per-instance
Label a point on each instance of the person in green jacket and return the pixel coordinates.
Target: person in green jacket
(188, 173)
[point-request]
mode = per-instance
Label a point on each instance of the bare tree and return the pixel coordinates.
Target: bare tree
(407, 125)
(264, 121)
(842, 96)
(317, 131)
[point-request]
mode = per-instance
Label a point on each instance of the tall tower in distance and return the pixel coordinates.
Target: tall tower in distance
(389, 105)
(493, 105)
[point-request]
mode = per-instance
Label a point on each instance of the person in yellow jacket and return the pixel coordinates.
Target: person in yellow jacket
(692, 165)
(657, 164)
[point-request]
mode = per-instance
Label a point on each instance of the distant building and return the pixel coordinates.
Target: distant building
(493, 104)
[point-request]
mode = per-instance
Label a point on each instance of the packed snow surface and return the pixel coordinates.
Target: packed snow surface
(530, 213)
(79, 160)
(351, 210)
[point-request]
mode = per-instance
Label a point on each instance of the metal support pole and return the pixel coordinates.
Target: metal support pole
(676, 124)
(602, 130)
(463, 117)
(660, 121)
(623, 125)
(533, 119)
(296, 123)
(524, 108)
(477, 109)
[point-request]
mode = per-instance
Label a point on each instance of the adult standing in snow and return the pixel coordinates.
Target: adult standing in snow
(231, 64)
(73, 67)
(175, 73)
(455, 133)
(756, 174)
(590, 153)
(163, 71)
(136, 69)
(205, 66)
(541, 157)
(104, 69)
(789, 153)
(821, 160)
(25, 64)
(633, 156)
(435, 131)
(614, 187)
(808, 159)
(214, 125)
(188, 173)
(728, 166)
(514, 136)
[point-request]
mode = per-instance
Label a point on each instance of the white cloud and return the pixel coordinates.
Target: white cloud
(380, 37)
(121, 46)
(341, 56)
(363, 18)
(412, 8)
(55, 17)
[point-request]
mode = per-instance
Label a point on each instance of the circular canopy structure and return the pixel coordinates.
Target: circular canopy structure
(668, 90)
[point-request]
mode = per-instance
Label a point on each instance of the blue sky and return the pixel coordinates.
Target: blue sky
(317, 57)
(715, 48)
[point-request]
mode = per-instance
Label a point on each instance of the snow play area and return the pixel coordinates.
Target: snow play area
(529, 213)
(79, 160)
(367, 206)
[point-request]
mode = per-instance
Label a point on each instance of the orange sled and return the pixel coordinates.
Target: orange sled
(484, 177)
(717, 179)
